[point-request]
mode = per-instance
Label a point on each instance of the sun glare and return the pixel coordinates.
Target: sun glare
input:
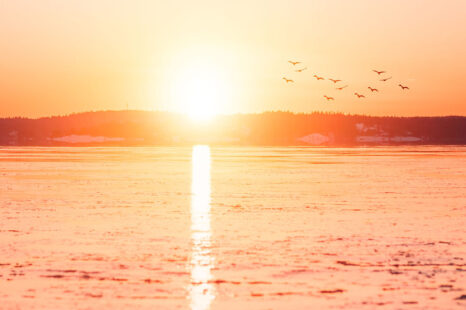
(201, 92)
(200, 87)
(202, 292)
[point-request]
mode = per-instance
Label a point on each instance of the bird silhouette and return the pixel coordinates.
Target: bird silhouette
(373, 89)
(294, 63)
(360, 96)
(301, 70)
(288, 80)
(328, 98)
(379, 72)
(386, 79)
(340, 88)
(335, 81)
(403, 87)
(318, 77)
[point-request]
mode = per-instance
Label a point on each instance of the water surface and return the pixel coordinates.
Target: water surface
(228, 228)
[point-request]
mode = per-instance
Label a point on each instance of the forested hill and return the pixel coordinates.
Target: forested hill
(268, 128)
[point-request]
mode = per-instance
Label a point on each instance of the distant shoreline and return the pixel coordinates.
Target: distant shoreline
(143, 128)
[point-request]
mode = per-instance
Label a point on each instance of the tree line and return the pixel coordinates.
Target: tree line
(268, 128)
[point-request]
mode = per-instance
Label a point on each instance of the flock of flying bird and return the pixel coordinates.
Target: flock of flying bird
(335, 81)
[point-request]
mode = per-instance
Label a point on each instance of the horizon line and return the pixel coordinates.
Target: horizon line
(230, 114)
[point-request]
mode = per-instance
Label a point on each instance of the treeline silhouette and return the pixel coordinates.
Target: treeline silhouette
(268, 128)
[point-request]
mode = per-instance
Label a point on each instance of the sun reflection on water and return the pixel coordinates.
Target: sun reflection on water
(200, 290)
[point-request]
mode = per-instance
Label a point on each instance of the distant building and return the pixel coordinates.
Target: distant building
(13, 137)
(373, 134)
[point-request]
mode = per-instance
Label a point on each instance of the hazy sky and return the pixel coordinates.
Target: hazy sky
(59, 57)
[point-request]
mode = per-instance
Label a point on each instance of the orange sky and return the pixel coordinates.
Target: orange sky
(59, 57)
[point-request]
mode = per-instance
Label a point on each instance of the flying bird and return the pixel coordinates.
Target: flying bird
(294, 63)
(301, 70)
(386, 79)
(318, 77)
(328, 98)
(340, 88)
(373, 89)
(288, 80)
(403, 87)
(335, 81)
(379, 72)
(360, 96)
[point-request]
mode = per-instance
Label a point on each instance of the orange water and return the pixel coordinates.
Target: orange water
(231, 228)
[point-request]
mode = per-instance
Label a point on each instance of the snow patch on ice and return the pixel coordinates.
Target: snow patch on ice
(315, 139)
(86, 139)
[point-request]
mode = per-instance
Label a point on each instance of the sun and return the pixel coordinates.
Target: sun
(203, 93)
(200, 88)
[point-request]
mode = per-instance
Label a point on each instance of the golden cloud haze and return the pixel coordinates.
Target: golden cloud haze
(59, 57)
